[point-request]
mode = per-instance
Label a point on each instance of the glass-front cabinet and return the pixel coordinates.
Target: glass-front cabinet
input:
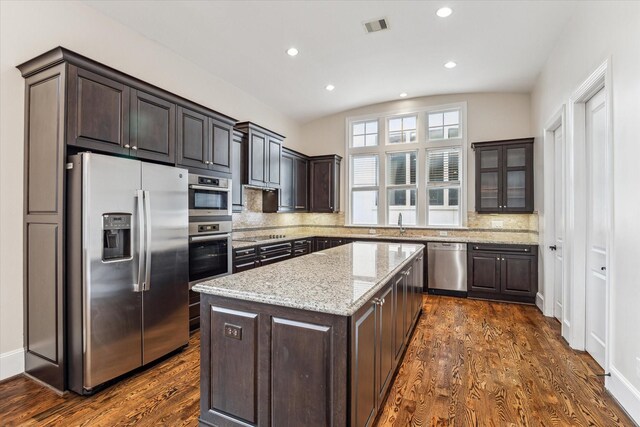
(504, 176)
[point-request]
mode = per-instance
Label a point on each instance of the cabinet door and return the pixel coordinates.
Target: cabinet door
(399, 298)
(287, 184)
(322, 191)
(300, 180)
(517, 178)
(274, 154)
(321, 244)
(237, 170)
(153, 127)
(193, 139)
(518, 275)
(98, 112)
(408, 310)
(384, 341)
(363, 366)
(336, 242)
(257, 155)
(488, 179)
(484, 272)
(245, 265)
(220, 154)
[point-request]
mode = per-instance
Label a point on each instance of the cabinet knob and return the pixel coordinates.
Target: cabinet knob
(126, 146)
(206, 162)
(498, 258)
(210, 161)
(134, 147)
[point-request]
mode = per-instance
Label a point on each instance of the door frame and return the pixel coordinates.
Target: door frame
(576, 204)
(557, 119)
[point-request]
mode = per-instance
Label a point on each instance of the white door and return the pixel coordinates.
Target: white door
(596, 279)
(558, 216)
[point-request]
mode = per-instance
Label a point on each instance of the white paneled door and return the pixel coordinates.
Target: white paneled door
(596, 274)
(558, 215)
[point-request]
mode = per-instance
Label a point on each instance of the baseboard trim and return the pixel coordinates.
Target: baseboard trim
(625, 393)
(11, 363)
(540, 302)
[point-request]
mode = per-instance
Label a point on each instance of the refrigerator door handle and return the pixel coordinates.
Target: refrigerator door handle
(147, 232)
(138, 287)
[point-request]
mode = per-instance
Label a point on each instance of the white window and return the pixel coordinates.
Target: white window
(364, 189)
(444, 125)
(401, 187)
(443, 187)
(409, 164)
(403, 130)
(364, 134)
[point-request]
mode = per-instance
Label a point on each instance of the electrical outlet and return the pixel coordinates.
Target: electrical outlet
(444, 233)
(372, 231)
(497, 224)
(232, 331)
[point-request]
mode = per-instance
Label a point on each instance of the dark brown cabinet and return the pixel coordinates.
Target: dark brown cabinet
(204, 142)
(153, 127)
(504, 176)
(324, 183)
(98, 112)
(503, 272)
(292, 194)
(238, 169)
(263, 157)
(194, 310)
(245, 259)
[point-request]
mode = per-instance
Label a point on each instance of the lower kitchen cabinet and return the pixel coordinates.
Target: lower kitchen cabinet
(194, 310)
(503, 272)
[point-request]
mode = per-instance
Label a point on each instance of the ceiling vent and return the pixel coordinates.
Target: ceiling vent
(376, 25)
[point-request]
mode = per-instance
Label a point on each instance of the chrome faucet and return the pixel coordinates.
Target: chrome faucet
(402, 230)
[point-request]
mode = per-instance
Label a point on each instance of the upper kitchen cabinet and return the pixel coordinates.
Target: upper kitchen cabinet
(264, 153)
(98, 112)
(238, 168)
(153, 127)
(504, 176)
(324, 177)
(292, 195)
(204, 142)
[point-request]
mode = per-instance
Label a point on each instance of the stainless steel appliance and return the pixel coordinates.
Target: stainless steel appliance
(209, 250)
(209, 196)
(447, 268)
(127, 258)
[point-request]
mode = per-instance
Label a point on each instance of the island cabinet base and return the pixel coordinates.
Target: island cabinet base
(265, 365)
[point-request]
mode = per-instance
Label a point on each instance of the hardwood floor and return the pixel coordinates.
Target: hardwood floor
(469, 363)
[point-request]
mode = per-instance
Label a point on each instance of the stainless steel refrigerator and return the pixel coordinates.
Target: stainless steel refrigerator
(127, 266)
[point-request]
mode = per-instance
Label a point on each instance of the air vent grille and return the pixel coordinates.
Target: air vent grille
(376, 25)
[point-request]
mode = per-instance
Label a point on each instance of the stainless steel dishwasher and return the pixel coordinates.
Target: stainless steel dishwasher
(447, 268)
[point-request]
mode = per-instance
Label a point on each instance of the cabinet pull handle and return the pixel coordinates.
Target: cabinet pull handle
(503, 259)
(134, 147)
(126, 146)
(498, 258)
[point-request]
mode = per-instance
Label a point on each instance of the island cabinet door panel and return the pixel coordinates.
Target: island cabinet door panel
(363, 366)
(301, 373)
(399, 297)
(153, 127)
(408, 274)
(98, 112)
(232, 396)
(385, 344)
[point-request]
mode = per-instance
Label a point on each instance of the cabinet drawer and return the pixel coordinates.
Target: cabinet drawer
(275, 257)
(244, 253)
(194, 310)
(244, 266)
(503, 249)
(276, 247)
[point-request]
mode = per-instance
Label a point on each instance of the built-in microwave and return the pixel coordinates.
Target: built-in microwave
(209, 196)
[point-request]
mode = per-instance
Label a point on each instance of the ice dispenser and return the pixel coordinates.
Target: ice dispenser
(116, 236)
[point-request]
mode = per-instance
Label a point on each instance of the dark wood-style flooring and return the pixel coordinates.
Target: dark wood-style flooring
(469, 363)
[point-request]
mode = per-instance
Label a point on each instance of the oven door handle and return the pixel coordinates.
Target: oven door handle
(204, 187)
(209, 238)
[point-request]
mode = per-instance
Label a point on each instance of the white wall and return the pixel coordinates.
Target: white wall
(597, 32)
(28, 29)
(490, 116)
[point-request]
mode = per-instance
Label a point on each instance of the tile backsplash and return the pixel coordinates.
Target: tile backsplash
(252, 220)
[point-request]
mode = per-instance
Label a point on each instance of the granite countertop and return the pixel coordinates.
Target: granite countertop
(413, 239)
(336, 281)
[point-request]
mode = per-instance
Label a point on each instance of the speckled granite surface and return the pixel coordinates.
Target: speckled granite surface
(520, 239)
(335, 281)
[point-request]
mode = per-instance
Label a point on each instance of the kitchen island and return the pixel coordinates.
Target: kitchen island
(311, 341)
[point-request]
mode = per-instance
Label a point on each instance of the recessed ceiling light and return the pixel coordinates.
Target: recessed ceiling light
(329, 87)
(292, 51)
(403, 95)
(450, 65)
(443, 12)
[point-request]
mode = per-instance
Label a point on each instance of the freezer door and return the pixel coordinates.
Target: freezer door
(112, 310)
(166, 296)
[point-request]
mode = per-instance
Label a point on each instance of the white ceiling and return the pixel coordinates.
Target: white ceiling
(500, 46)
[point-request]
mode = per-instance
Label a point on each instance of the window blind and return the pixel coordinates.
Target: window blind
(443, 167)
(365, 171)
